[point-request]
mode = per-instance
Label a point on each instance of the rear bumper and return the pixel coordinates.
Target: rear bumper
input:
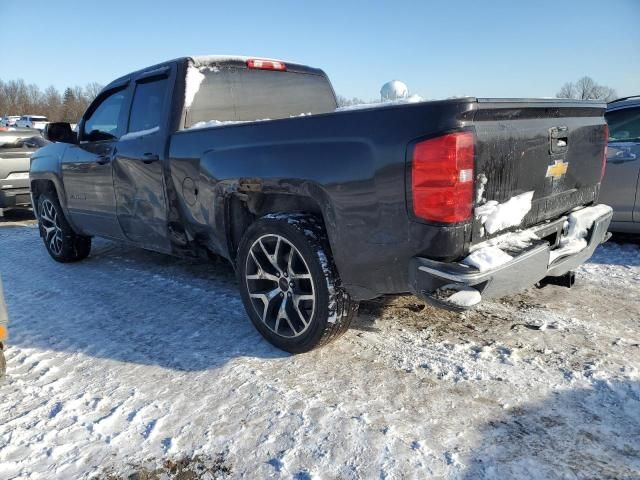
(523, 271)
(15, 197)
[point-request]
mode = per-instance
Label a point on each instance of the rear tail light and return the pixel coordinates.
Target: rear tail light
(604, 156)
(266, 65)
(442, 178)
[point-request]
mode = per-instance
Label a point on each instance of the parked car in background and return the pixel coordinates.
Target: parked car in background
(621, 184)
(37, 122)
(16, 148)
(9, 120)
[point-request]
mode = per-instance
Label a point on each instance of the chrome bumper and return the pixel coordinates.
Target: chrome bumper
(523, 271)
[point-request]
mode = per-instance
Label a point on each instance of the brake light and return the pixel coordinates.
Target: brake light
(266, 65)
(604, 156)
(442, 178)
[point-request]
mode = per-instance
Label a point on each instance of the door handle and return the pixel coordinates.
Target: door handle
(150, 158)
(103, 159)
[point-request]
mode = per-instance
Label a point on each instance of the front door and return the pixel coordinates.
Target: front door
(87, 168)
(138, 174)
(620, 184)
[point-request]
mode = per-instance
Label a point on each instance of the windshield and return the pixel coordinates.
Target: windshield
(242, 94)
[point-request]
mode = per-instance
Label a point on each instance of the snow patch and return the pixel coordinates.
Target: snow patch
(464, 297)
(509, 241)
(105, 374)
(194, 79)
(487, 258)
(222, 123)
(580, 222)
(139, 133)
(496, 216)
(482, 182)
(400, 101)
(207, 60)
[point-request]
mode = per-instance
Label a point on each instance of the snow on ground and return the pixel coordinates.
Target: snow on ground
(133, 362)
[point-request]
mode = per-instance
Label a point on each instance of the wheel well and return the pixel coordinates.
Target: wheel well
(38, 187)
(244, 209)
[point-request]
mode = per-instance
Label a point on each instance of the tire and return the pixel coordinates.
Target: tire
(284, 259)
(63, 244)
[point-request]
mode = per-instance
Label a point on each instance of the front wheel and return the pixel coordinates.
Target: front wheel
(289, 285)
(61, 241)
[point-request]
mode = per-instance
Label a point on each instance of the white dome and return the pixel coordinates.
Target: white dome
(394, 90)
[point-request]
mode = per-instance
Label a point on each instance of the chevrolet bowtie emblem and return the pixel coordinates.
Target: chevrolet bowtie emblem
(558, 169)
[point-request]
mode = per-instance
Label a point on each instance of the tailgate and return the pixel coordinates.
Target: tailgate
(14, 164)
(553, 148)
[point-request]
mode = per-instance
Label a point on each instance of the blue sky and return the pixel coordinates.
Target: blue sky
(481, 48)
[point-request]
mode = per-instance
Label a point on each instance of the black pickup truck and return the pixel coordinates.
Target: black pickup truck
(318, 207)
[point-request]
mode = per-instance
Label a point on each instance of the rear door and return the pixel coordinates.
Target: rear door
(138, 166)
(87, 167)
(620, 185)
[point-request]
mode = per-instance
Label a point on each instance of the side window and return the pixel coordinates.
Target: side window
(624, 125)
(104, 122)
(147, 107)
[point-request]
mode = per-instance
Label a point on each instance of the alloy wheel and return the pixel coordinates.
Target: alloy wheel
(51, 226)
(280, 287)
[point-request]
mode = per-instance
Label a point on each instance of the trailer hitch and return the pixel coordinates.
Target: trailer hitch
(566, 280)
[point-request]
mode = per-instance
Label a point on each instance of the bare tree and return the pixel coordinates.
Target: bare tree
(586, 88)
(92, 90)
(20, 98)
(347, 102)
(52, 102)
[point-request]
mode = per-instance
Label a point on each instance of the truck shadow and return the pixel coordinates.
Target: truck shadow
(16, 217)
(129, 305)
(582, 433)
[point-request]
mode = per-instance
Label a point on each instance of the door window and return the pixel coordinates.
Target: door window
(104, 121)
(624, 125)
(147, 107)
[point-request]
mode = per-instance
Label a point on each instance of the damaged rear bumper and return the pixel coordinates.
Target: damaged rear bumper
(523, 271)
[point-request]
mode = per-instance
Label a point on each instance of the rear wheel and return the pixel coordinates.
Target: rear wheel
(62, 243)
(289, 285)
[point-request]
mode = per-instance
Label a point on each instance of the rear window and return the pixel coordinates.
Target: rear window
(238, 94)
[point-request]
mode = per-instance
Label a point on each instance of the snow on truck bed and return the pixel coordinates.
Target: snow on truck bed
(133, 362)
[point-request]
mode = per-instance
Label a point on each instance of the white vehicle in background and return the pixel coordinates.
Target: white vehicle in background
(32, 121)
(9, 120)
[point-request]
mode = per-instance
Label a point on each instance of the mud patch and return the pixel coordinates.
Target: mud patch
(185, 468)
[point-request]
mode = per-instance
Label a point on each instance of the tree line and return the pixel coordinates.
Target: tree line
(19, 98)
(586, 88)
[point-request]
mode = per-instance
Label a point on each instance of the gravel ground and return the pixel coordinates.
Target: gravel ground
(133, 363)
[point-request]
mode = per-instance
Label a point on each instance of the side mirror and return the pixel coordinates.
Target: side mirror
(59, 132)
